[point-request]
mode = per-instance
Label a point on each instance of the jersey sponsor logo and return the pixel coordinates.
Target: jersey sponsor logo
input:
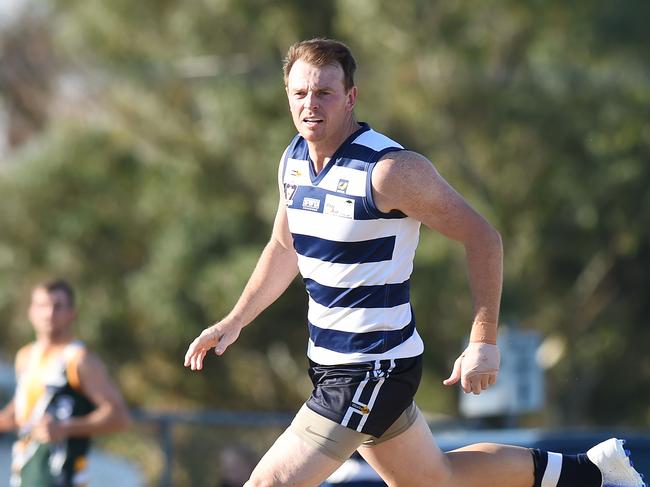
(338, 206)
(342, 186)
(311, 204)
(362, 408)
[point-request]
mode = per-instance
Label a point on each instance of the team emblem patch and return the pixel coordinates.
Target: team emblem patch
(342, 186)
(289, 192)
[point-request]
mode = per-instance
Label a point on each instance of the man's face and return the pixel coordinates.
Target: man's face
(51, 313)
(319, 103)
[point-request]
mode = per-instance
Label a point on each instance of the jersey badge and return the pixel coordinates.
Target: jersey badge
(339, 206)
(289, 192)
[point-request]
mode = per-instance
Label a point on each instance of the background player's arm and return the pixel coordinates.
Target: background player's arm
(8, 418)
(408, 182)
(110, 414)
(8, 413)
(275, 269)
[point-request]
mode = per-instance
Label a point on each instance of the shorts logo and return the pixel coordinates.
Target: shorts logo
(378, 374)
(312, 432)
(342, 186)
(362, 408)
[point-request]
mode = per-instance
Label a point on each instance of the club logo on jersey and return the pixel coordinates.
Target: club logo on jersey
(63, 407)
(289, 192)
(342, 186)
(296, 172)
(310, 204)
(362, 408)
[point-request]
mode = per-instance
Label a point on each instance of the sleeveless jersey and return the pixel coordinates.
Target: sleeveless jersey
(355, 260)
(49, 385)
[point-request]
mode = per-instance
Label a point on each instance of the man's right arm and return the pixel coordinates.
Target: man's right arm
(8, 418)
(8, 413)
(276, 268)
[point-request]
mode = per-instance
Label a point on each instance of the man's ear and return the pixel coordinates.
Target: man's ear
(352, 97)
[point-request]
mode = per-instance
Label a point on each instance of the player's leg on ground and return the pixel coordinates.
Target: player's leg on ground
(413, 459)
(292, 461)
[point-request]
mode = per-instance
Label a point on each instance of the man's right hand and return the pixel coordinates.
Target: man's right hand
(219, 336)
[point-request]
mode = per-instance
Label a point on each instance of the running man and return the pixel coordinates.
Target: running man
(351, 204)
(63, 397)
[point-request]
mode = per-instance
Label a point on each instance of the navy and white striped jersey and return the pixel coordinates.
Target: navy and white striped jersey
(355, 260)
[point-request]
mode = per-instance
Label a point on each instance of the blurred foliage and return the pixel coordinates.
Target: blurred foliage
(152, 184)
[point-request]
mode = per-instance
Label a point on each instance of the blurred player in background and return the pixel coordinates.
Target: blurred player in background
(63, 397)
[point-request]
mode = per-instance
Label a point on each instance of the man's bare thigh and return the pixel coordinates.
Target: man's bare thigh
(410, 458)
(292, 461)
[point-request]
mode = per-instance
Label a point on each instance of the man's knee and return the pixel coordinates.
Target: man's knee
(439, 473)
(439, 478)
(443, 474)
(260, 481)
(263, 476)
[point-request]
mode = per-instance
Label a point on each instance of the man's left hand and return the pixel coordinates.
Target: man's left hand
(476, 368)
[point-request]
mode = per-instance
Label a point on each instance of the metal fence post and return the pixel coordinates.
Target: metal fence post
(167, 442)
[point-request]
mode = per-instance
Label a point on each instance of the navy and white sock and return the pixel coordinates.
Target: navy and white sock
(558, 470)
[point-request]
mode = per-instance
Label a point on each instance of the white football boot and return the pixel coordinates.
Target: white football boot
(614, 464)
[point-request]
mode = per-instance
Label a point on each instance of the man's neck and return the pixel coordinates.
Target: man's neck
(321, 152)
(47, 342)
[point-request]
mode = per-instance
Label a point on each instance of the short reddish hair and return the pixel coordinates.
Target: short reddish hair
(321, 52)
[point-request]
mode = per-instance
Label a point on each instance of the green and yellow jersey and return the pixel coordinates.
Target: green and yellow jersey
(48, 384)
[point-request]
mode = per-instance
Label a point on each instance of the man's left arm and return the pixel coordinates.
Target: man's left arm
(110, 414)
(408, 182)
